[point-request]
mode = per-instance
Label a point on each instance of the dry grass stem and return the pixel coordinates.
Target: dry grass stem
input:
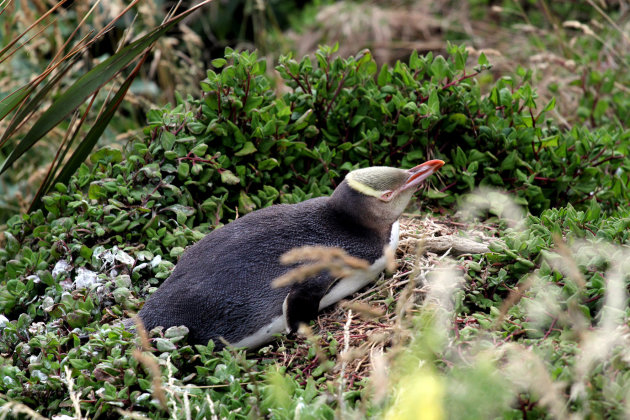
(343, 356)
(307, 332)
(213, 414)
(154, 370)
(321, 254)
(390, 259)
(12, 409)
(134, 415)
(364, 309)
(527, 371)
(382, 323)
(142, 334)
(379, 378)
(513, 298)
(186, 406)
(74, 396)
(334, 260)
(568, 263)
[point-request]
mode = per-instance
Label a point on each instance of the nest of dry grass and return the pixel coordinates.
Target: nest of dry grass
(375, 320)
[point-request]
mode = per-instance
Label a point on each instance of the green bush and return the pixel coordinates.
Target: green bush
(523, 251)
(122, 222)
(242, 147)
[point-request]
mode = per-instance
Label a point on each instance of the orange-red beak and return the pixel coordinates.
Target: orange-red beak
(419, 173)
(416, 174)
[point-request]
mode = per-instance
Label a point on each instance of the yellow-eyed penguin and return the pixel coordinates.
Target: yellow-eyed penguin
(221, 286)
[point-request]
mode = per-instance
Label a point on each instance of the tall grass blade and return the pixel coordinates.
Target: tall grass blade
(87, 85)
(82, 151)
(13, 100)
(26, 108)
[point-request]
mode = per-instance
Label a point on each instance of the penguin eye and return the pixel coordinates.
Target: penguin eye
(387, 195)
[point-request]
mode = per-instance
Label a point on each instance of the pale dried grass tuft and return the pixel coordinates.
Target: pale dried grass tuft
(150, 364)
(334, 260)
(13, 409)
(390, 31)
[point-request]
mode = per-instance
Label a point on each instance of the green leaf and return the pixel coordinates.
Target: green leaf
(167, 140)
(199, 150)
(268, 164)
(253, 102)
(415, 155)
(483, 60)
(219, 62)
(405, 123)
(458, 118)
(551, 141)
(86, 252)
(260, 67)
(438, 67)
(183, 170)
(434, 103)
(248, 149)
(435, 194)
(96, 191)
(494, 96)
(384, 77)
(414, 61)
(186, 211)
(245, 203)
(601, 108)
(509, 163)
(460, 60)
(594, 211)
(551, 105)
(229, 178)
(460, 158)
(107, 154)
(80, 364)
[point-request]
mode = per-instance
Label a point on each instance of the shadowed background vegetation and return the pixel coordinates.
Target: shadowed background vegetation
(131, 130)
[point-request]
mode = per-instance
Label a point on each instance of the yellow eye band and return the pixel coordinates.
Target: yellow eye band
(362, 188)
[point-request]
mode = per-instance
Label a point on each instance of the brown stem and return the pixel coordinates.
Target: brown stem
(332, 101)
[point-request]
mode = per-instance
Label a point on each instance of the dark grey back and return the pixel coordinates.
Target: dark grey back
(221, 286)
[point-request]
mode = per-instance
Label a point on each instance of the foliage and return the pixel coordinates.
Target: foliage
(538, 14)
(55, 60)
(565, 304)
(107, 237)
(589, 44)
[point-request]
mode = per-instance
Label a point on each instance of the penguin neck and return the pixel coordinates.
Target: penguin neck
(352, 209)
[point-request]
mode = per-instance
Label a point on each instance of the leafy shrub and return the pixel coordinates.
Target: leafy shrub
(92, 50)
(121, 223)
(557, 285)
(587, 40)
(523, 251)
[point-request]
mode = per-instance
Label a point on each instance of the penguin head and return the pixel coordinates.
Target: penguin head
(378, 195)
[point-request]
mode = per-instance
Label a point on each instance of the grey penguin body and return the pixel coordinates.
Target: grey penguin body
(221, 287)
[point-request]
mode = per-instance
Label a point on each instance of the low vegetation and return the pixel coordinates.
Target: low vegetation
(536, 327)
